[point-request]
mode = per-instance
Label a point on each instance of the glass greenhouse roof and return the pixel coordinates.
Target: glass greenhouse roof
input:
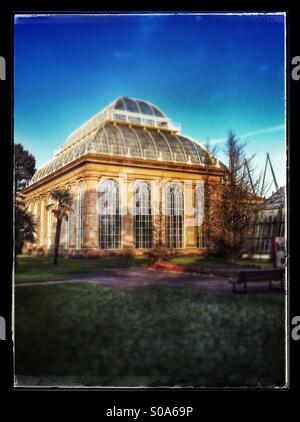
(115, 134)
(137, 106)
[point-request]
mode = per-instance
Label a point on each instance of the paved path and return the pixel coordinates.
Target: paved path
(133, 277)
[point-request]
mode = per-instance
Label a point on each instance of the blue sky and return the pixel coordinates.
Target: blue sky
(209, 73)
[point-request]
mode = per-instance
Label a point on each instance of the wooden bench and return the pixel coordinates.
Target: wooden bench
(246, 276)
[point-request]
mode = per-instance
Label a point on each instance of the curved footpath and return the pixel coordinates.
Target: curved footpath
(133, 277)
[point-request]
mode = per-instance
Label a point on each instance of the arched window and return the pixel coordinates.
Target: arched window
(143, 216)
(174, 216)
(199, 217)
(69, 225)
(80, 205)
(42, 221)
(49, 224)
(109, 219)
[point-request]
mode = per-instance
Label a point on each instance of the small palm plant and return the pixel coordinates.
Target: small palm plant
(61, 207)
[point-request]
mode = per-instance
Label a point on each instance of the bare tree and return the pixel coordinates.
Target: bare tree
(158, 232)
(210, 199)
(159, 227)
(238, 203)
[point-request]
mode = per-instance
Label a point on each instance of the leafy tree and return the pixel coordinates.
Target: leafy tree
(24, 225)
(61, 207)
(24, 167)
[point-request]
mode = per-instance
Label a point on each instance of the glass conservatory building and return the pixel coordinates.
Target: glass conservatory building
(136, 182)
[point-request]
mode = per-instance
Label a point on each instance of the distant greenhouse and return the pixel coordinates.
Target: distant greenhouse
(269, 222)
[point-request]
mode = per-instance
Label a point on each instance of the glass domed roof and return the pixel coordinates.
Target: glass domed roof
(137, 106)
(105, 133)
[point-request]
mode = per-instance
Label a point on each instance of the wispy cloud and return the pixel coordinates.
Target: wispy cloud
(271, 129)
(262, 131)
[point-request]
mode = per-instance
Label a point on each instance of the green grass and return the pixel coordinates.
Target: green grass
(40, 268)
(218, 262)
(157, 336)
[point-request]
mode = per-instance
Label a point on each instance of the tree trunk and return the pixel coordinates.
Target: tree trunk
(57, 240)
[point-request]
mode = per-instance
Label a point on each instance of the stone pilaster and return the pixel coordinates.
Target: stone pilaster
(159, 213)
(127, 217)
(42, 221)
(73, 216)
(189, 214)
(49, 229)
(91, 217)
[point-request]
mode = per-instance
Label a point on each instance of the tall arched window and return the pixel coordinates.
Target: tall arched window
(42, 221)
(80, 205)
(143, 216)
(109, 219)
(174, 216)
(69, 225)
(49, 224)
(199, 217)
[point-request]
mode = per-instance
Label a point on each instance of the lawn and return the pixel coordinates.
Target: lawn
(219, 262)
(41, 268)
(95, 334)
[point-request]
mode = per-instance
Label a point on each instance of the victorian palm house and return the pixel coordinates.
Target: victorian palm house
(136, 183)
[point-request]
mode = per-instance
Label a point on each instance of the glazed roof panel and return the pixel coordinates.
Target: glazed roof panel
(122, 140)
(106, 133)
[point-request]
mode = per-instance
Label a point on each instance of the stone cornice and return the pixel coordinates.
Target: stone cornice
(129, 162)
